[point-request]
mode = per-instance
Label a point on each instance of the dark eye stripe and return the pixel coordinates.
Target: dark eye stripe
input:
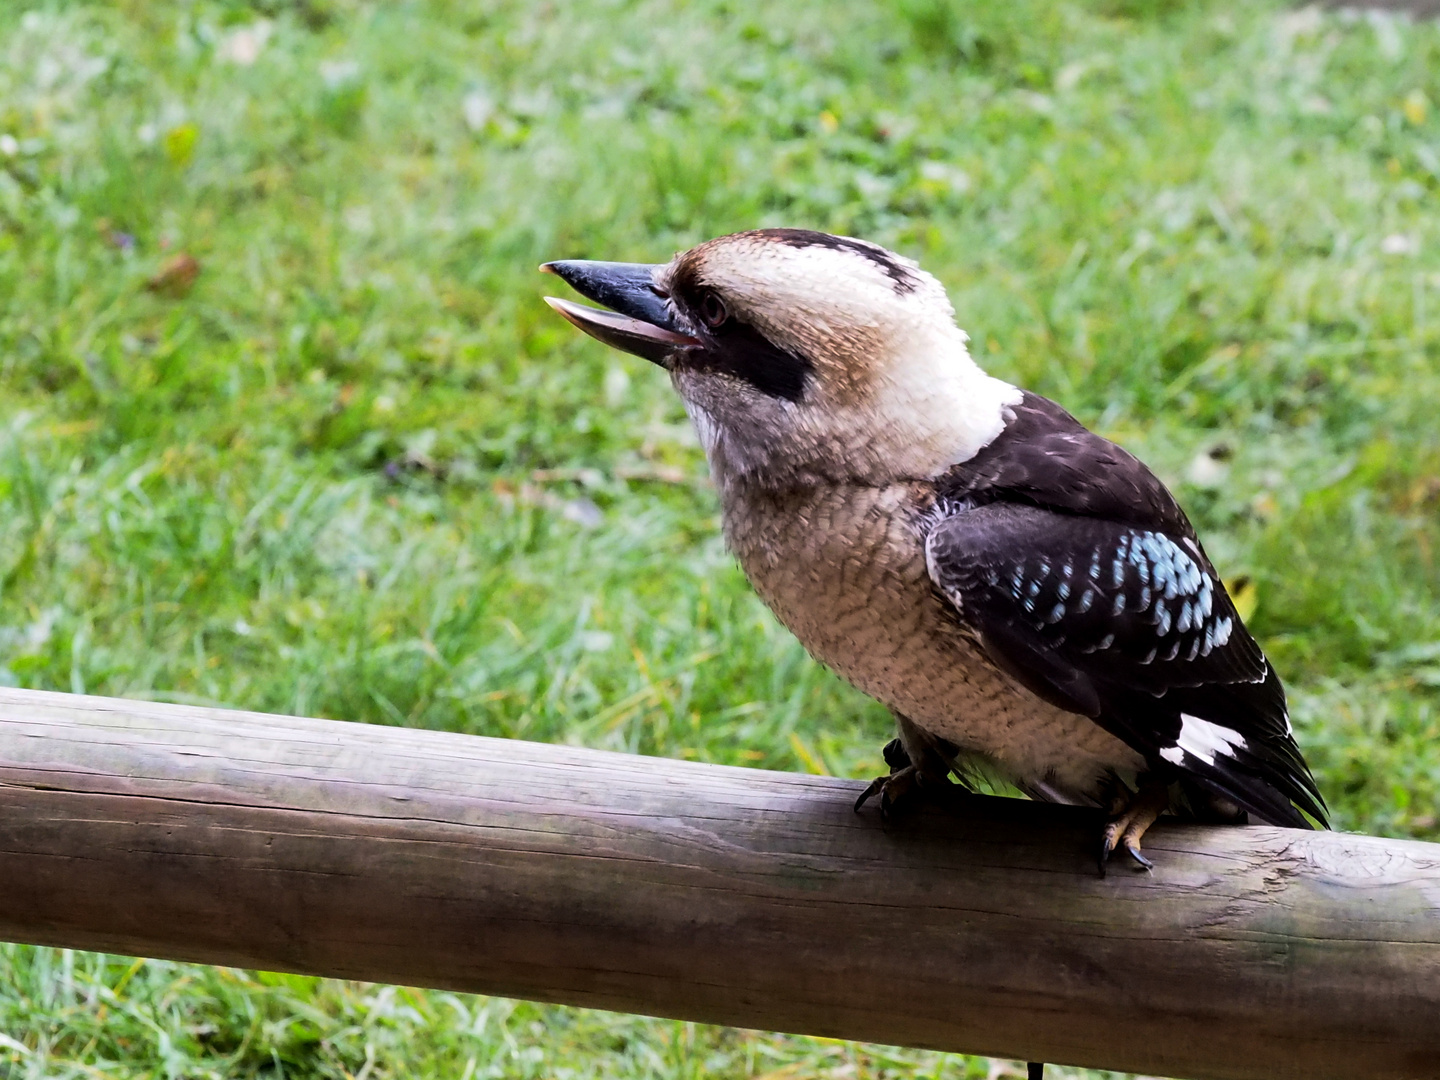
(738, 349)
(733, 346)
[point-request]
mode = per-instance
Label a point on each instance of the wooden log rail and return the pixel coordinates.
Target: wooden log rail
(731, 896)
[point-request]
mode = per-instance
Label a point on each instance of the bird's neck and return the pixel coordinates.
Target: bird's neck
(934, 407)
(912, 425)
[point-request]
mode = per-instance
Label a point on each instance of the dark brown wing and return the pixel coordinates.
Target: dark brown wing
(1084, 580)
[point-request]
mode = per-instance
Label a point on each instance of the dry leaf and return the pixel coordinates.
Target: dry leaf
(176, 277)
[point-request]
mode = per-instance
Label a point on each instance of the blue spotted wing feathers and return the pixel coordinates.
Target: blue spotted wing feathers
(1081, 577)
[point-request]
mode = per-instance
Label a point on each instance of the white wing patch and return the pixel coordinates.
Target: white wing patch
(1202, 739)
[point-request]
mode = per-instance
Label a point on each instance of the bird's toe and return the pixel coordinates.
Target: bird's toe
(894, 790)
(1129, 824)
(904, 789)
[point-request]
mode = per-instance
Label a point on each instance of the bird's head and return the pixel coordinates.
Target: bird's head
(801, 357)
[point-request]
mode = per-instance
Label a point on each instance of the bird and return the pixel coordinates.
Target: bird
(1027, 597)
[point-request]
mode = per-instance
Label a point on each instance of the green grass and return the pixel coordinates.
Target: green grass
(361, 471)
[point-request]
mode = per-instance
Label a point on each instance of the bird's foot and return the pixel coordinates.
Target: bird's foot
(1130, 817)
(1035, 1070)
(904, 783)
(895, 789)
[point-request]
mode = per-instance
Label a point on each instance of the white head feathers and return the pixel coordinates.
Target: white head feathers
(890, 389)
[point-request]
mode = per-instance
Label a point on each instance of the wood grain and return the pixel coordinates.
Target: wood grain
(724, 895)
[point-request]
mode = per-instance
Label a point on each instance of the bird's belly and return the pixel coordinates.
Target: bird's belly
(845, 572)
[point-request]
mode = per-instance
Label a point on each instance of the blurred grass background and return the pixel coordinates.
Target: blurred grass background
(354, 468)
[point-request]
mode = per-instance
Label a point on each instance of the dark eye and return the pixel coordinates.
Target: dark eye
(712, 309)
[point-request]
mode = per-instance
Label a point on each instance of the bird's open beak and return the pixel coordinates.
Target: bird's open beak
(639, 320)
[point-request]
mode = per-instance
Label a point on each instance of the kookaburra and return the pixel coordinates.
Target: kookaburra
(1023, 594)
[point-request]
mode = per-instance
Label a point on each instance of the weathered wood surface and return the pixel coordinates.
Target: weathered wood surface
(733, 896)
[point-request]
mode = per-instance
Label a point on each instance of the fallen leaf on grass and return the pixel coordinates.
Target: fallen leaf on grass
(176, 277)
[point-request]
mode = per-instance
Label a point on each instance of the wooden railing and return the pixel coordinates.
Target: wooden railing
(731, 896)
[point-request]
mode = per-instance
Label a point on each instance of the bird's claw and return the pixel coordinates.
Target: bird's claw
(1128, 825)
(899, 762)
(896, 788)
(1131, 847)
(906, 780)
(877, 786)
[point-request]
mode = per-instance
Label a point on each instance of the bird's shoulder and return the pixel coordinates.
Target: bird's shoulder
(1045, 457)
